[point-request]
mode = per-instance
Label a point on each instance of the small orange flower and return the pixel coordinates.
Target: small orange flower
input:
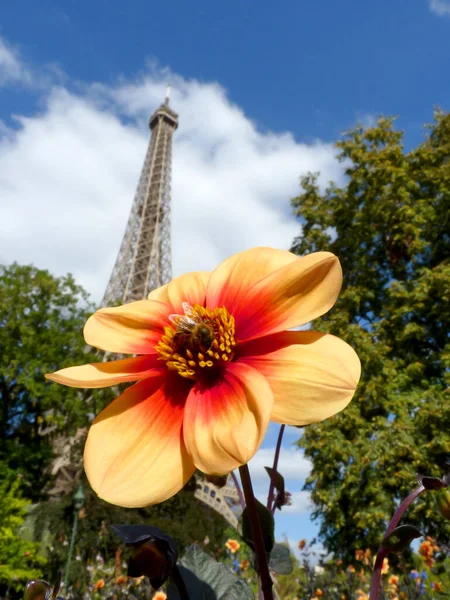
(343, 597)
(393, 580)
(215, 360)
(436, 586)
(99, 585)
(385, 567)
(319, 593)
(160, 596)
(361, 595)
(121, 579)
(359, 555)
(233, 546)
(244, 564)
(301, 544)
(351, 568)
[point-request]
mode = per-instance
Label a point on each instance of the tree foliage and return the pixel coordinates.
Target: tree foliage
(389, 224)
(41, 323)
(19, 559)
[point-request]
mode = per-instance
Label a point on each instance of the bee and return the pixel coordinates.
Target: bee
(191, 330)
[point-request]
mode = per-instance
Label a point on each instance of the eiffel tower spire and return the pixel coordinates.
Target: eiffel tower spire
(144, 259)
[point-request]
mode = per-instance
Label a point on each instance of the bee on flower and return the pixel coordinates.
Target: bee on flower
(233, 546)
(213, 360)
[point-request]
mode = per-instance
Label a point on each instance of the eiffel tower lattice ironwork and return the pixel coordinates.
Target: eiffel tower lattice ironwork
(143, 264)
(144, 261)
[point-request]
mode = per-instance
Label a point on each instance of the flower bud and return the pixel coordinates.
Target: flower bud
(443, 502)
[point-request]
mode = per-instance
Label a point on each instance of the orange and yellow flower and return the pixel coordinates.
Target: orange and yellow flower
(244, 564)
(215, 364)
(100, 584)
(359, 555)
(159, 595)
(233, 546)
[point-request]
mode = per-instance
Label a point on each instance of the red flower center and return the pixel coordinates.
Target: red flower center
(199, 340)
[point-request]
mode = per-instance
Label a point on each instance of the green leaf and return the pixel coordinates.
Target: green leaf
(280, 560)
(400, 538)
(206, 579)
(279, 479)
(267, 525)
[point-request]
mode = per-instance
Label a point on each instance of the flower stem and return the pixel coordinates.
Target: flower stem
(257, 534)
(383, 552)
(238, 489)
(270, 497)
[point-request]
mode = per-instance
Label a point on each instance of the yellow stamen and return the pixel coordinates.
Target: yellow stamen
(202, 333)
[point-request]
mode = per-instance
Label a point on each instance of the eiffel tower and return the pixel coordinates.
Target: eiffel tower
(143, 264)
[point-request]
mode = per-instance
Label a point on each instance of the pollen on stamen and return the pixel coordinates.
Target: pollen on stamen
(198, 341)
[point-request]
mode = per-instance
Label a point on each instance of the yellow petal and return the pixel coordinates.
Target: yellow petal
(190, 288)
(97, 375)
(133, 328)
(312, 375)
(233, 278)
(225, 421)
(135, 454)
(295, 294)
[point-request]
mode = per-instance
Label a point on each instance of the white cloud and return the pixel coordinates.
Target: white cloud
(440, 7)
(12, 69)
(68, 176)
(292, 465)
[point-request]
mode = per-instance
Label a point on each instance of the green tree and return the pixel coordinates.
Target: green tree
(19, 559)
(41, 322)
(390, 227)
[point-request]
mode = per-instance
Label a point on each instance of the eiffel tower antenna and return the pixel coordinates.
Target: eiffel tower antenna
(144, 261)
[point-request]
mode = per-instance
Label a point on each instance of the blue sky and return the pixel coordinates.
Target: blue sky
(262, 88)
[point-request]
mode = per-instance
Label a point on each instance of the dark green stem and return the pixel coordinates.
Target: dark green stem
(270, 497)
(257, 534)
(382, 552)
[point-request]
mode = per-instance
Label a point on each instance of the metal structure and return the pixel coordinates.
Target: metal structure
(224, 500)
(144, 261)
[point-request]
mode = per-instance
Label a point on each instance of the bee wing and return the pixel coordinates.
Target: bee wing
(186, 321)
(182, 322)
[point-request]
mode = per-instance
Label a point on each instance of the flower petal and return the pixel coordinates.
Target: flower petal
(232, 279)
(133, 328)
(312, 375)
(190, 288)
(135, 454)
(299, 292)
(225, 422)
(97, 375)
